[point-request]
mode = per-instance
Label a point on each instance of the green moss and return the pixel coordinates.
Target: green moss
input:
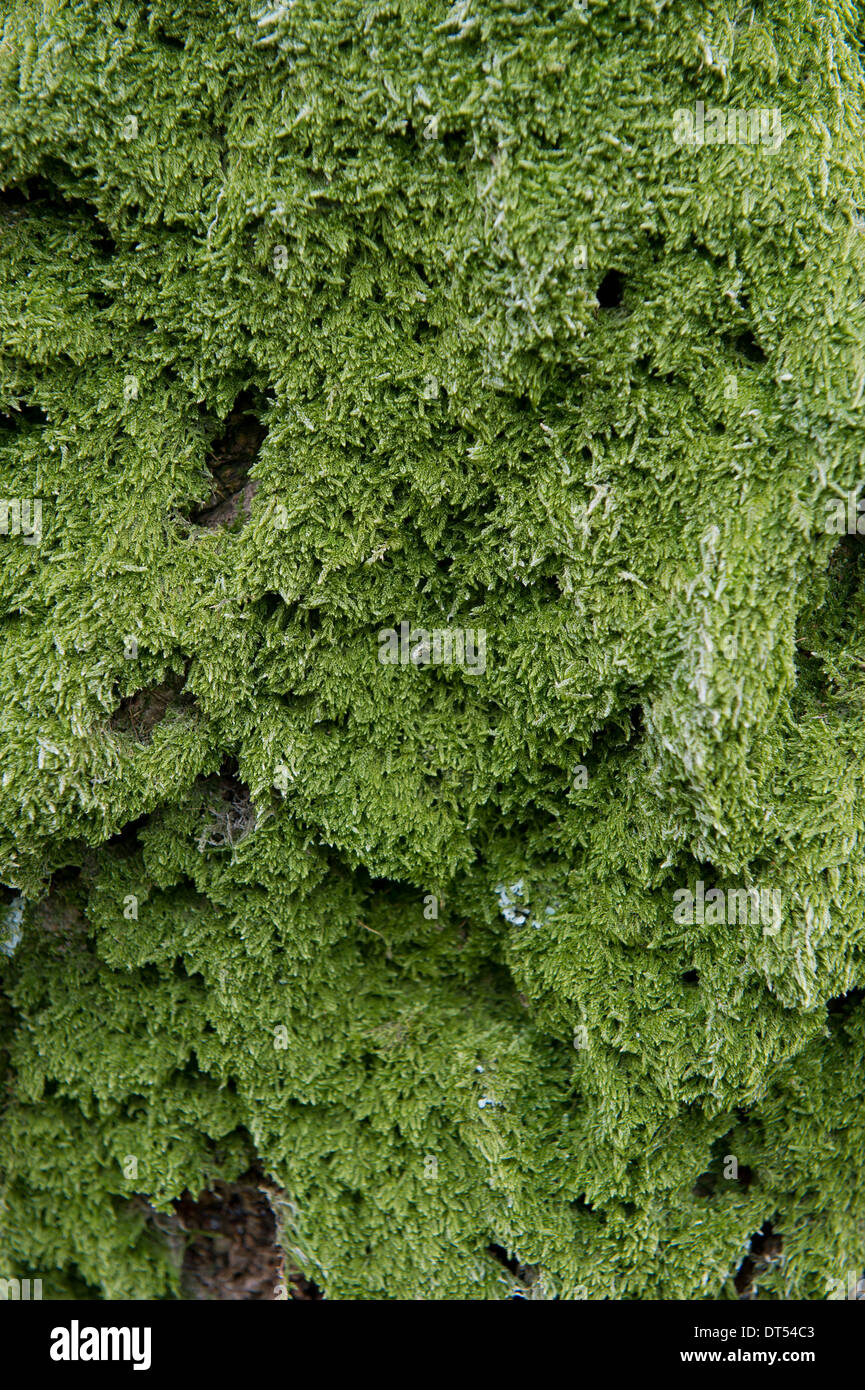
(520, 363)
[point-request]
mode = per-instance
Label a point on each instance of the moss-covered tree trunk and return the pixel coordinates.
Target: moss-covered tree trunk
(432, 641)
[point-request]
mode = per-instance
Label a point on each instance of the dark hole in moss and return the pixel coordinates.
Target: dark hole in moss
(747, 346)
(140, 713)
(299, 703)
(845, 1003)
(42, 194)
(718, 1175)
(499, 1253)
(181, 971)
(824, 686)
(270, 604)
(455, 144)
(229, 773)
(691, 977)
(22, 414)
(231, 1251)
(229, 461)
(623, 731)
(719, 427)
(228, 813)
(525, 1275)
(74, 1285)
(127, 838)
(61, 911)
(300, 1287)
(384, 886)
(191, 1067)
(611, 290)
(19, 195)
(67, 876)
(169, 40)
(764, 1253)
(278, 610)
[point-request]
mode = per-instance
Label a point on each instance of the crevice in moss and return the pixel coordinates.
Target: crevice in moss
(830, 638)
(22, 413)
(43, 193)
(229, 461)
(228, 812)
(764, 1253)
(126, 840)
(270, 604)
(524, 1275)
(139, 714)
(623, 731)
(230, 1250)
(845, 1004)
(747, 346)
(611, 291)
(715, 1179)
(61, 913)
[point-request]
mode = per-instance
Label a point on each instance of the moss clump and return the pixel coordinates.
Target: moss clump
(319, 319)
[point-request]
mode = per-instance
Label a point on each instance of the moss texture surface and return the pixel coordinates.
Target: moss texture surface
(322, 317)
